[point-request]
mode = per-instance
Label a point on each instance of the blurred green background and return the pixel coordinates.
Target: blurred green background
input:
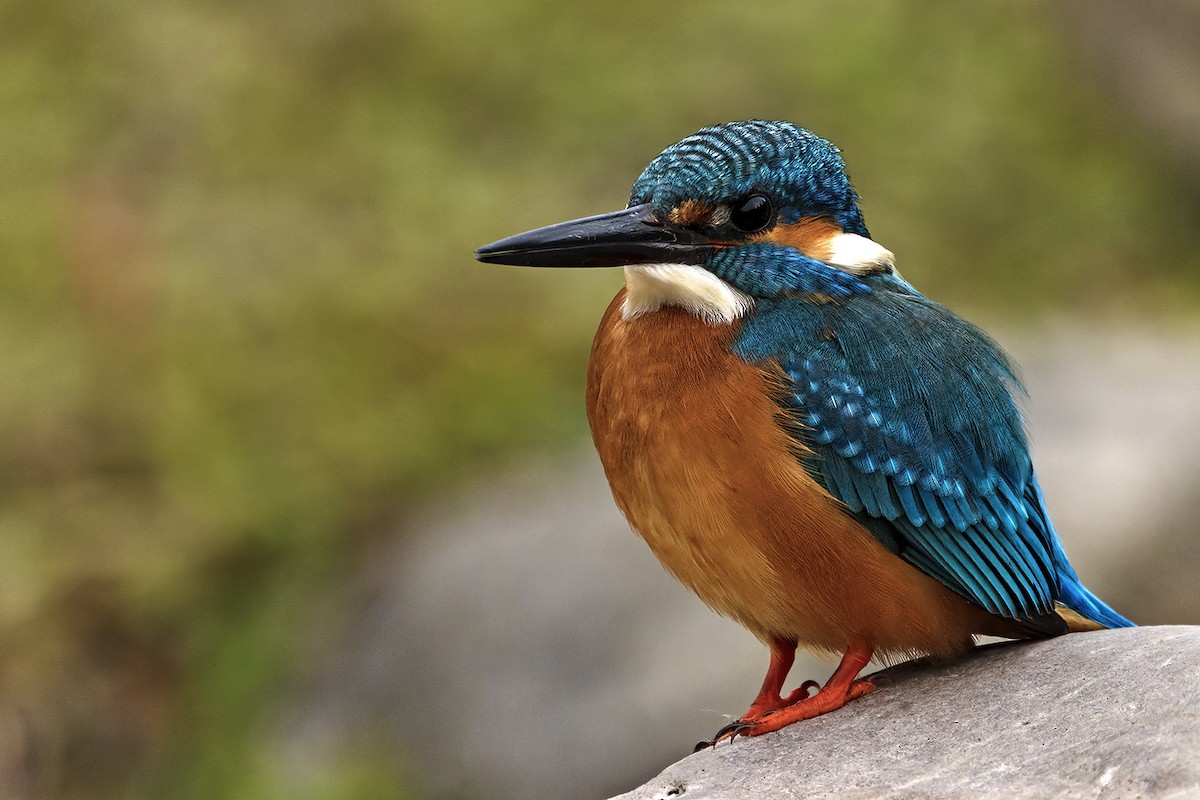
(242, 335)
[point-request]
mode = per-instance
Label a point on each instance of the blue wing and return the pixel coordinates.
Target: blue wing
(908, 417)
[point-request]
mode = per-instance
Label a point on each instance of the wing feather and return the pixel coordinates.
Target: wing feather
(907, 415)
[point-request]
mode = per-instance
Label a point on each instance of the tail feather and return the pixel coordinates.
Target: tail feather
(1081, 609)
(1087, 608)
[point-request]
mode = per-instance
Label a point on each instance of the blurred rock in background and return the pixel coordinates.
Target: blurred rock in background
(520, 643)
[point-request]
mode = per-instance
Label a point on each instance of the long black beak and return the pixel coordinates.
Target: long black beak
(632, 236)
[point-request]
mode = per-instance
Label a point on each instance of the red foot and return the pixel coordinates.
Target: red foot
(770, 712)
(824, 701)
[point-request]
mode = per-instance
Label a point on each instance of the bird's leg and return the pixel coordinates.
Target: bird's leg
(770, 698)
(783, 654)
(842, 687)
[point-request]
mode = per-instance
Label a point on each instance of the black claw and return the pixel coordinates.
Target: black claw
(735, 727)
(730, 732)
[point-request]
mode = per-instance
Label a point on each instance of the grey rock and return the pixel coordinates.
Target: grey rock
(1109, 714)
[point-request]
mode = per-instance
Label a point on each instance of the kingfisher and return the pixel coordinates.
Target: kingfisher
(807, 442)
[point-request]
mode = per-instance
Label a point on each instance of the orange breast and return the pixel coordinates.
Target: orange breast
(698, 462)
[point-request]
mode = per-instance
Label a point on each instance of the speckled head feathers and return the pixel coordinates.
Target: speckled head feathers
(800, 170)
(765, 207)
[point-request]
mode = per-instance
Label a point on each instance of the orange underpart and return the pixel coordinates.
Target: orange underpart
(675, 415)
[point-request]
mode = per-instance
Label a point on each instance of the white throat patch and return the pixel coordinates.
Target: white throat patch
(649, 287)
(858, 255)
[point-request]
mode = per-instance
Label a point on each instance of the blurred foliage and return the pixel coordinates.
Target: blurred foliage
(241, 331)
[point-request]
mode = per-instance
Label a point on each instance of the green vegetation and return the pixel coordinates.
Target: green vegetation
(241, 331)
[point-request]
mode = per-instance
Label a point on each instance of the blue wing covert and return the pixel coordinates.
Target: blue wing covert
(907, 416)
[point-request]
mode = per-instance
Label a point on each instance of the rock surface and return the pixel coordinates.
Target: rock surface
(1110, 714)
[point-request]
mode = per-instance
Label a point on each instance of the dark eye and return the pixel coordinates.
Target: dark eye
(752, 214)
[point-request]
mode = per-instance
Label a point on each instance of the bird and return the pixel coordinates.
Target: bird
(808, 443)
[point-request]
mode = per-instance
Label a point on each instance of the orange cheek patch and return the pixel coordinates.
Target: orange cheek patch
(691, 212)
(812, 236)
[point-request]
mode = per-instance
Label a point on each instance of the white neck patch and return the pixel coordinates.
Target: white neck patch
(859, 255)
(649, 287)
